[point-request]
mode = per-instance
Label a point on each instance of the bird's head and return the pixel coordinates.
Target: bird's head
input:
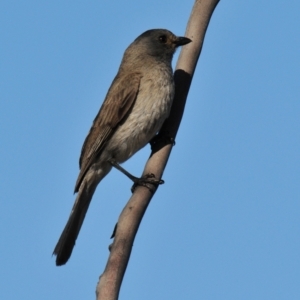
(159, 43)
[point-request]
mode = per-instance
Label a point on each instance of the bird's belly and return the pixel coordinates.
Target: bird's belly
(145, 120)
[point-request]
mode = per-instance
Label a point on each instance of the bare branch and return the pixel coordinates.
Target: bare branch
(110, 281)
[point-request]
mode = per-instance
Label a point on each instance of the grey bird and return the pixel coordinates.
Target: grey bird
(136, 105)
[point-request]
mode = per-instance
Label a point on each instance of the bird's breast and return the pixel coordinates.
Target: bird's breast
(151, 108)
(154, 101)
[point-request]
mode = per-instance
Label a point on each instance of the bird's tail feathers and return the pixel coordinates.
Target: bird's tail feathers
(66, 242)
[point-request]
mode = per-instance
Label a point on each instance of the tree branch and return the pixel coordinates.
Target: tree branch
(110, 281)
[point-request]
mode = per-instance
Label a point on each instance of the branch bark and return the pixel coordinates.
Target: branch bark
(110, 281)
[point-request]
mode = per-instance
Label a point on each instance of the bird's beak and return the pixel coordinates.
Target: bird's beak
(180, 41)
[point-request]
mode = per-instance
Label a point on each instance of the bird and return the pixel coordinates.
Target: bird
(136, 105)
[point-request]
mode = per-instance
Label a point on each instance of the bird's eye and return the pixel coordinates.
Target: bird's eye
(163, 39)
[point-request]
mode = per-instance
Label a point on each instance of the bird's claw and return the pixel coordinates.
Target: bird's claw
(147, 181)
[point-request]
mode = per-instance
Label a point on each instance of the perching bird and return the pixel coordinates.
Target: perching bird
(136, 105)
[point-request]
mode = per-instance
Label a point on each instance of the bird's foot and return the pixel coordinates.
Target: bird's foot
(147, 181)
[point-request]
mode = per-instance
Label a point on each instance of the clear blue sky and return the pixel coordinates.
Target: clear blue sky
(226, 224)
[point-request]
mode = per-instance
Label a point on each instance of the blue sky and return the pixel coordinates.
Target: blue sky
(226, 223)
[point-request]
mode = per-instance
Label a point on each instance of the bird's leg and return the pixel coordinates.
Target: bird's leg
(118, 167)
(148, 178)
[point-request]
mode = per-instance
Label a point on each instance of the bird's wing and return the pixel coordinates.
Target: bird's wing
(118, 102)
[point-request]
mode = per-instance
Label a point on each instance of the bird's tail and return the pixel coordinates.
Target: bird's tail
(66, 242)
